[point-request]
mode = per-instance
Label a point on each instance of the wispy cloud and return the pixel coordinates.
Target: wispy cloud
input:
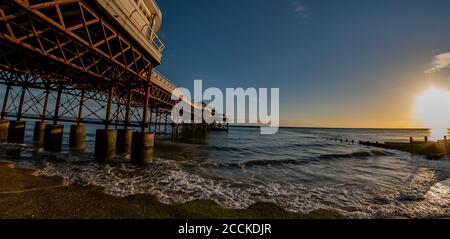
(439, 63)
(300, 9)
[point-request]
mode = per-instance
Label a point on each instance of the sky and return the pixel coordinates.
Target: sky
(347, 63)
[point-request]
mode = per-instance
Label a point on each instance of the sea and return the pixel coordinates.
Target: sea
(299, 169)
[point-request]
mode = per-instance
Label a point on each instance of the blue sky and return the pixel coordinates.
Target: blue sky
(347, 63)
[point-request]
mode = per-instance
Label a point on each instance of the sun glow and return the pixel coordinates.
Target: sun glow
(433, 111)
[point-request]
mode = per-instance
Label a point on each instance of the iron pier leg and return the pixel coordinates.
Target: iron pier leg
(44, 107)
(128, 110)
(80, 109)
(157, 129)
(143, 142)
(106, 139)
(57, 106)
(16, 131)
(39, 126)
(150, 123)
(146, 109)
(165, 124)
(53, 135)
(108, 108)
(125, 135)
(77, 140)
(5, 102)
(4, 124)
(22, 98)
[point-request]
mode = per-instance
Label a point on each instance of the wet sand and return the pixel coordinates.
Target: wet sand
(24, 194)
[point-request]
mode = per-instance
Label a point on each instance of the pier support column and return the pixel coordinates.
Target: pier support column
(124, 138)
(39, 126)
(165, 124)
(77, 140)
(39, 133)
(16, 132)
(105, 143)
(5, 102)
(53, 138)
(142, 142)
(4, 128)
(174, 131)
(142, 147)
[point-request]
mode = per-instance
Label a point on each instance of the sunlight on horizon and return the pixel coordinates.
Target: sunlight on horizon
(432, 109)
(438, 133)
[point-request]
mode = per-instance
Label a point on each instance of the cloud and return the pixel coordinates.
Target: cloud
(439, 63)
(300, 9)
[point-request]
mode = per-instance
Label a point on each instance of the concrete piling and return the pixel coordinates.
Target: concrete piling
(105, 143)
(53, 138)
(124, 138)
(108, 142)
(142, 147)
(16, 132)
(77, 140)
(4, 129)
(39, 133)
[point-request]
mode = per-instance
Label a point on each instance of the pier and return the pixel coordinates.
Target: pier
(86, 62)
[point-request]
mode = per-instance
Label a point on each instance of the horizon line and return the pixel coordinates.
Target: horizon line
(323, 127)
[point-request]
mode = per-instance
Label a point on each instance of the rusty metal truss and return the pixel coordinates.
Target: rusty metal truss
(69, 32)
(78, 106)
(66, 60)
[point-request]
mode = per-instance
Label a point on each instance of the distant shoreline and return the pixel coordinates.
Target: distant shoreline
(331, 128)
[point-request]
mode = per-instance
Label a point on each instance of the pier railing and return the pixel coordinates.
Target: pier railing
(162, 81)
